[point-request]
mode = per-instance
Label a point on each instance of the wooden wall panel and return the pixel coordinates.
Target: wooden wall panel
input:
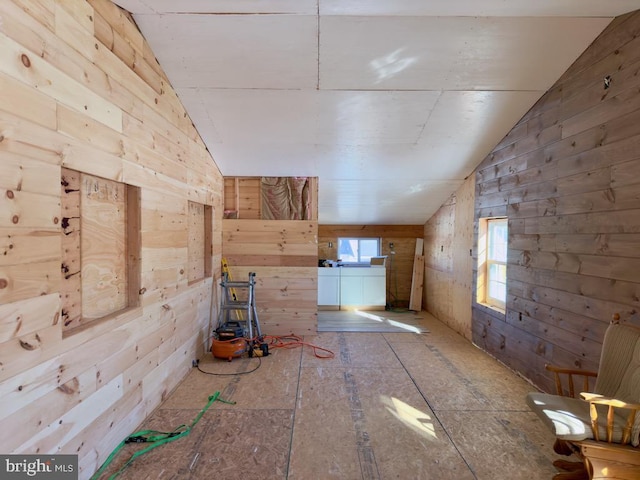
(283, 254)
(196, 245)
(242, 198)
(102, 227)
(566, 177)
(81, 90)
(286, 298)
(449, 240)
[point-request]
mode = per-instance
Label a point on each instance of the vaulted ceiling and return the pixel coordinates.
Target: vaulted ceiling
(391, 103)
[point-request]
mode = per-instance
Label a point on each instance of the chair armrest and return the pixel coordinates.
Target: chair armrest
(559, 373)
(613, 403)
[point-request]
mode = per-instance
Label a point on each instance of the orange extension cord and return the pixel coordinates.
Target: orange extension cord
(294, 341)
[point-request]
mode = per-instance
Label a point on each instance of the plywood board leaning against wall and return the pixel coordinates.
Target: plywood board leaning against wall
(80, 90)
(417, 279)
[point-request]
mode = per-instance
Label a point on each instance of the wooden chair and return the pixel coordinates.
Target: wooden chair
(600, 427)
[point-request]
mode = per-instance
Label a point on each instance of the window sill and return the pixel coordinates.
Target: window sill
(493, 308)
(111, 321)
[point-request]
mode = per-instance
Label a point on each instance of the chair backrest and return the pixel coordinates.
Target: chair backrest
(619, 370)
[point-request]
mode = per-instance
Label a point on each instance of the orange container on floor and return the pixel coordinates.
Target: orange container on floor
(228, 349)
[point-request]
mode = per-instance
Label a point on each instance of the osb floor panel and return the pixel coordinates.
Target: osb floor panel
(387, 406)
(401, 321)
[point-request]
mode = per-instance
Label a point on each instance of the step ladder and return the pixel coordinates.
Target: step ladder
(238, 304)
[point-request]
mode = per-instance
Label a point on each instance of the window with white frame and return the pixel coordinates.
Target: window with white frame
(358, 250)
(492, 262)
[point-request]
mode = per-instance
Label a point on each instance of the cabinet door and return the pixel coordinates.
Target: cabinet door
(374, 290)
(328, 290)
(351, 290)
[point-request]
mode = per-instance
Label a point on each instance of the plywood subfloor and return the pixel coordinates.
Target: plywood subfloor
(388, 405)
(389, 321)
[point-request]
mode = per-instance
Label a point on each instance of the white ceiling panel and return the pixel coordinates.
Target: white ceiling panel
(391, 104)
(480, 8)
(235, 51)
(450, 53)
(310, 116)
(477, 113)
(308, 7)
(373, 117)
(258, 116)
(379, 201)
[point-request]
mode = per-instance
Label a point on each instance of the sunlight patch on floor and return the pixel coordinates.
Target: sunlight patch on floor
(413, 418)
(388, 321)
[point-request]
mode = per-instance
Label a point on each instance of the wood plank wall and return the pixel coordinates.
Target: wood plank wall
(567, 177)
(283, 255)
(242, 197)
(399, 268)
(449, 239)
(80, 89)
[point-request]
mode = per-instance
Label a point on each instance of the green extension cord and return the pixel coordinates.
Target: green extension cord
(155, 438)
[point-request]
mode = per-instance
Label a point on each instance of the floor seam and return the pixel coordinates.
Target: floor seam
(293, 415)
(424, 397)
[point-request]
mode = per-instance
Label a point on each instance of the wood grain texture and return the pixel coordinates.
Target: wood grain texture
(83, 97)
(196, 245)
(566, 178)
(103, 246)
(286, 283)
(449, 244)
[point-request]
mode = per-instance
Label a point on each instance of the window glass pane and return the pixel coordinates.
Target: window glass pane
(348, 250)
(498, 291)
(498, 272)
(358, 250)
(498, 282)
(497, 240)
(368, 249)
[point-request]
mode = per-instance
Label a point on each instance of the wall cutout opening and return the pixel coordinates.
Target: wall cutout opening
(100, 248)
(200, 236)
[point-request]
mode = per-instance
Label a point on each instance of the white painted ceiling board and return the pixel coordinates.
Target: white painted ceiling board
(235, 51)
(450, 53)
(475, 112)
(480, 8)
(307, 7)
(391, 104)
(378, 201)
(418, 126)
(314, 117)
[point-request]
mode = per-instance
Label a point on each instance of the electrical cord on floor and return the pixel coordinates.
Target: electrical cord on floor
(294, 341)
(274, 342)
(231, 374)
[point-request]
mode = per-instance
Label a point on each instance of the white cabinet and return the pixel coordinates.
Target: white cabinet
(329, 286)
(374, 288)
(352, 286)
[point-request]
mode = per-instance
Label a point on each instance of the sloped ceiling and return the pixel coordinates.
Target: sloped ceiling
(391, 103)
